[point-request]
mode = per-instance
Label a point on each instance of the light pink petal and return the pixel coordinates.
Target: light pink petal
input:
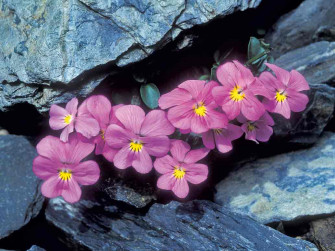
(82, 110)
(246, 75)
(76, 150)
(196, 155)
(221, 95)
(271, 83)
(268, 120)
(124, 158)
(175, 97)
(269, 105)
(208, 139)
(100, 108)
(117, 137)
(87, 172)
(249, 135)
(283, 108)
(156, 146)
(216, 119)
(196, 173)
(71, 191)
(198, 124)
(52, 148)
(142, 162)
(100, 145)
(113, 118)
(52, 187)
(263, 133)
(180, 188)
(206, 93)
(232, 109)
(180, 116)
(57, 116)
(223, 142)
(257, 88)
(87, 126)
(297, 101)
(179, 149)
(193, 86)
(131, 116)
(298, 82)
(45, 168)
(109, 153)
(71, 106)
(252, 108)
(165, 164)
(156, 124)
(166, 181)
(282, 75)
(64, 136)
(228, 74)
(234, 131)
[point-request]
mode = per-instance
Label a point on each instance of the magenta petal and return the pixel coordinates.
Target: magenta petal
(86, 173)
(271, 83)
(117, 137)
(257, 88)
(282, 75)
(208, 139)
(71, 191)
(52, 187)
(156, 146)
(193, 86)
(283, 108)
(71, 106)
(109, 153)
(64, 136)
(57, 116)
(223, 142)
(198, 124)
(175, 97)
(113, 119)
(142, 162)
(269, 105)
(82, 110)
(196, 173)
(124, 158)
(228, 74)
(186, 131)
(263, 133)
(52, 148)
(131, 116)
(87, 126)
(232, 109)
(298, 82)
(100, 145)
(297, 101)
(156, 124)
(246, 75)
(165, 164)
(166, 181)
(179, 149)
(45, 168)
(268, 120)
(180, 116)
(196, 155)
(249, 135)
(206, 93)
(180, 188)
(234, 131)
(100, 108)
(76, 150)
(216, 119)
(252, 108)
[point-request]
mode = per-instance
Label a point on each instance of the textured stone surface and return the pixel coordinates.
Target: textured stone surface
(50, 47)
(35, 248)
(20, 196)
(311, 21)
(284, 187)
(323, 232)
(196, 225)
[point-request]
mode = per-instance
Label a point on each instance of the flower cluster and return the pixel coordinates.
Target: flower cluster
(221, 112)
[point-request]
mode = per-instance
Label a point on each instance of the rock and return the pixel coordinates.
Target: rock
(323, 233)
(51, 47)
(20, 196)
(286, 187)
(35, 248)
(302, 26)
(196, 225)
(3, 132)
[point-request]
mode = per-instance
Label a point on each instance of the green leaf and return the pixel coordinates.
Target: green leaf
(205, 77)
(254, 48)
(150, 95)
(213, 72)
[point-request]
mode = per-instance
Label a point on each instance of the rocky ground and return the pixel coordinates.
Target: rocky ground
(278, 195)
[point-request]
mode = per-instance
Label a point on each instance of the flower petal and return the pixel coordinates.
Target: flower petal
(165, 164)
(208, 139)
(179, 149)
(109, 153)
(196, 173)
(283, 108)
(156, 146)
(249, 135)
(297, 101)
(86, 173)
(45, 168)
(228, 74)
(57, 116)
(64, 136)
(263, 133)
(166, 181)
(180, 188)
(252, 108)
(298, 82)
(87, 126)
(52, 148)
(198, 124)
(246, 75)
(180, 116)
(215, 119)
(76, 150)
(52, 187)
(124, 158)
(223, 142)
(281, 74)
(193, 86)
(257, 88)
(196, 155)
(117, 137)
(206, 93)
(232, 109)
(234, 131)
(71, 191)
(175, 97)
(156, 124)
(100, 108)
(271, 83)
(71, 106)
(131, 116)
(142, 162)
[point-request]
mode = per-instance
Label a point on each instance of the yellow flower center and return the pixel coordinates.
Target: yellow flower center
(179, 172)
(68, 119)
(251, 127)
(280, 96)
(218, 131)
(65, 174)
(102, 134)
(200, 109)
(236, 94)
(136, 146)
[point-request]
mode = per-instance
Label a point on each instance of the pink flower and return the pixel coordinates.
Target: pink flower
(238, 91)
(193, 107)
(100, 108)
(222, 137)
(59, 165)
(139, 137)
(68, 119)
(284, 91)
(181, 168)
(259, 130)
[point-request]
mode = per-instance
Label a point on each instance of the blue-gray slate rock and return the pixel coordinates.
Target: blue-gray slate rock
(313, 20)
(36, 248)
(196, 225)
(285, 187)
(20, 196)
(54, 47)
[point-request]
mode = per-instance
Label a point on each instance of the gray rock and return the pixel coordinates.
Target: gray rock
(309, 22)
(20, 196)
(196, 225)
(50, 47)
(323, 232)
(285, 187)
(36, 248)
